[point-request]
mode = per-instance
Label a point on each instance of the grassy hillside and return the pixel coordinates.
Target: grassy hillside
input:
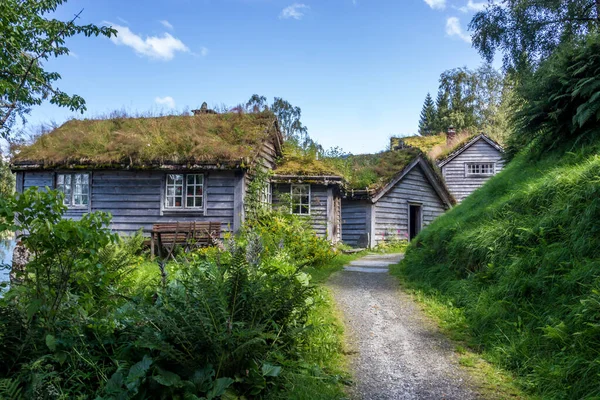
(518, 263)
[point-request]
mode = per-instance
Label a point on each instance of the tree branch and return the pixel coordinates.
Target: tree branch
(14, 104)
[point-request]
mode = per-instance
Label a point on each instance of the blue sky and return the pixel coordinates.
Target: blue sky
(358, 69)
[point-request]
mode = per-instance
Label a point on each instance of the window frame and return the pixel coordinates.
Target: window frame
(292, 198)
(71, 204)
(480, 174)
(184, 196)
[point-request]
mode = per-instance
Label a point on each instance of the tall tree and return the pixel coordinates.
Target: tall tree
(427, 118)
(528, 31)
(442, 107)
(28, 39)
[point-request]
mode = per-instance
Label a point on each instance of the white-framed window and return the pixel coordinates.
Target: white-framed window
(479, 169)
(75, 187)
(300, 199)
(184, 191)
(266, 194)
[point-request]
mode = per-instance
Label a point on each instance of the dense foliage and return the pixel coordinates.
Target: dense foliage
(93, 318)
(517, 263)
(526, 32)
(7, 178)
(29, 38)
(562, 98)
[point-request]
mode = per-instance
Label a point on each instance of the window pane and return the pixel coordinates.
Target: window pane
(177, 201)
(190, 202)
(190, 190)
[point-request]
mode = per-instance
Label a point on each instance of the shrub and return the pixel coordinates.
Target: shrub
(92, 318)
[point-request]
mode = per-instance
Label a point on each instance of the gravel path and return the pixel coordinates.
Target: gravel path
(399, 352)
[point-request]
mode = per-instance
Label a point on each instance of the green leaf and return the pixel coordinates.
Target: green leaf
(137, 372)
(219, 388)
(167, 378)
(51, 342)
(270, 370)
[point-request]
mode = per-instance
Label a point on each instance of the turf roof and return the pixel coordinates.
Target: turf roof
(369, 172)
(208, 139)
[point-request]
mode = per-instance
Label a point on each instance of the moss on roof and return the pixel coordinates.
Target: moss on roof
(425, 143)
(231, 138)
(297, 163)
(362, 171)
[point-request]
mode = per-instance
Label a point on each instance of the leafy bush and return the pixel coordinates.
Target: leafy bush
(561, 101)
(93, 318)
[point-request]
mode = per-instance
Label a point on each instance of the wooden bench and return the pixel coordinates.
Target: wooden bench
(190, 235)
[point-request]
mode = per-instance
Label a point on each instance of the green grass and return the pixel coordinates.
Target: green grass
(514, 271)
(324, 347)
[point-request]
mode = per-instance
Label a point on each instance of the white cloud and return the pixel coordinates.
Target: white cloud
(436, 4)
(158, 47)
(166, 24)
(203, 51)
(295, 11)
(453, 28)
(473, 6)
(123, 20)
(166, 101)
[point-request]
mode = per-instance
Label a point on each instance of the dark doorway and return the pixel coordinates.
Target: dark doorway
(414, 220)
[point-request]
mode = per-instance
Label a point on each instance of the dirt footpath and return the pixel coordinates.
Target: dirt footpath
(399, 353)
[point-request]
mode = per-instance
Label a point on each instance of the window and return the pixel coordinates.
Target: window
(75, 187)
(266, 196)
(301, 199)
(474, 169)
(184, 191)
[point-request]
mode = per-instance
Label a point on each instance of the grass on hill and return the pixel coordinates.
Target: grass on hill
(178, 139)
(516, 268)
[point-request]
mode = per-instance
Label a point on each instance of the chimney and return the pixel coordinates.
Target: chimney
(204, 110)
(450, 135)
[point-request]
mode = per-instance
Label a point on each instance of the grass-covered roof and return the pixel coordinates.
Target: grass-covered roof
(205, 139)
(436, 146)
(369, 172)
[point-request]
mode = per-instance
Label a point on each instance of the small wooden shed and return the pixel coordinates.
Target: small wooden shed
(397, 210)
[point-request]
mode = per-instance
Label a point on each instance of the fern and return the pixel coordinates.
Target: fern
(10, 390)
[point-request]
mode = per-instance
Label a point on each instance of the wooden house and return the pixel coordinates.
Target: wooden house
(471, 164)
(397, 210)
(153, 170)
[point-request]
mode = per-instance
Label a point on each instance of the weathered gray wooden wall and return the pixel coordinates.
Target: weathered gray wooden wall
(391, 210)
(354, 220)
(134, 198)
(318, 205)
(454, 171)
